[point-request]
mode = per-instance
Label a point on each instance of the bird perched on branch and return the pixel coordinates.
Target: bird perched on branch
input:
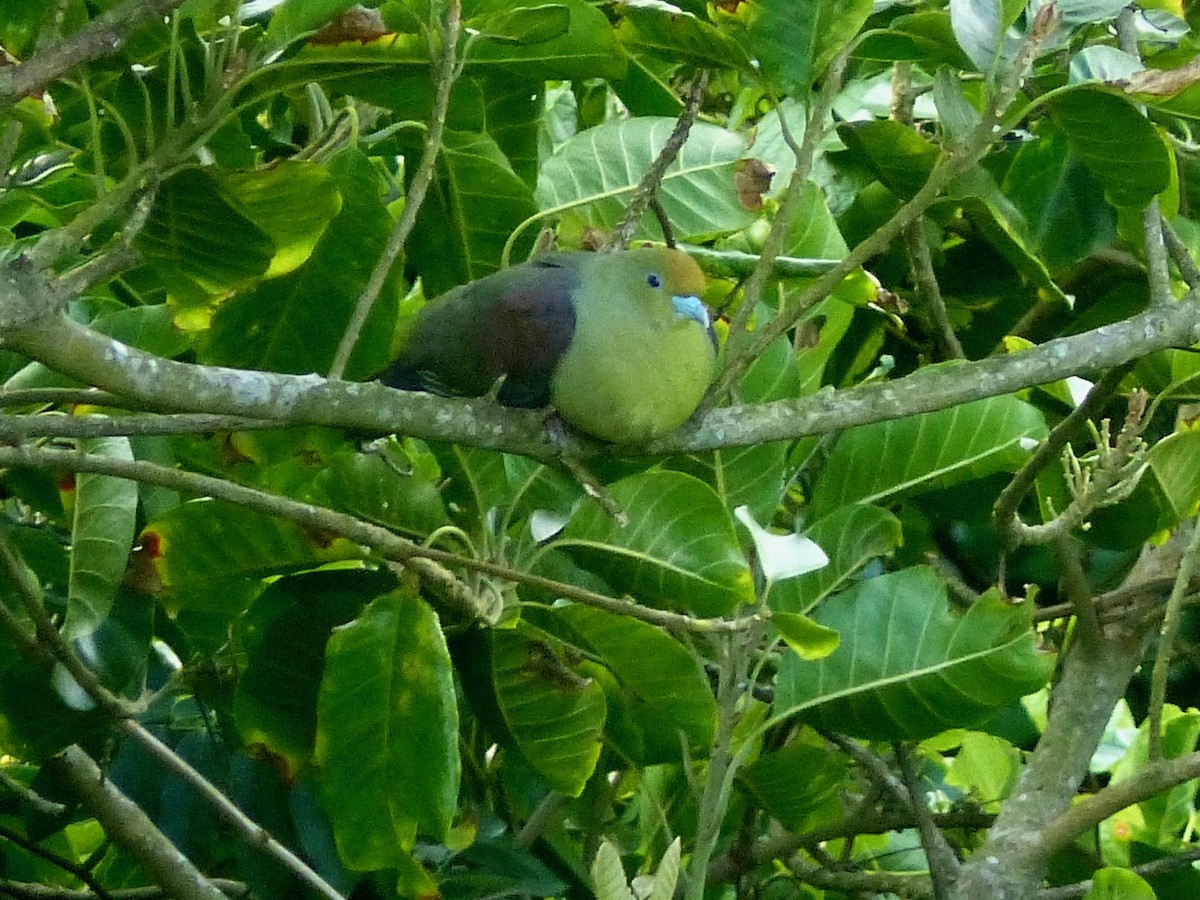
(619, 344)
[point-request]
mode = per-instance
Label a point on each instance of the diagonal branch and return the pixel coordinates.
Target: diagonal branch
(422, 179)
(102, 36)
(124, 822)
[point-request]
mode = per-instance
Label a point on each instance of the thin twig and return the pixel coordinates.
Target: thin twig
(428, 563)
(920, 260)
(1084, 815)
(1004, 512)
(1158, 272)
(1074, 584)
(1109, 479)
(943, 864)
(955, 162)
(817, 123)
(50, 638)
(25, 890)
(16, 428)
(62, 396)
(30, 798)
(1145, 870)
(1167, 633)
(1181, 255)
(446, 74)
(648, 186)
(81, 872)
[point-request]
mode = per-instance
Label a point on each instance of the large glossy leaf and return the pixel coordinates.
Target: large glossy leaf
(212, 555)
(1173, 464)
(981, 29)
(387, 731)
(679, 37)
(879, 462)
(907, 668)
(926, 37)
(1116, 142)
(371, 488)
(852, 536)
(554, 714)
(294, 323)
(794, 782)
(586, 49)
(470, 211)
(194, 232)
(594, 173)
(899, 157)
(794, 42)
(283, 636)
(679, 549)
(292, 202)
(664, 689)
(101, 538)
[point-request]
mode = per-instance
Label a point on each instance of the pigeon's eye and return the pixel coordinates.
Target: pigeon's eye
(654, 281)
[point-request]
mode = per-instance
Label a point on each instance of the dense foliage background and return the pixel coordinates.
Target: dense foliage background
(249, 645)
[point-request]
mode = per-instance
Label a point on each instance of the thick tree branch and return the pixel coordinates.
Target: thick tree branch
(102, 36)
(1011, 863)
(1091, 811)
(76, 350)
(25, 890)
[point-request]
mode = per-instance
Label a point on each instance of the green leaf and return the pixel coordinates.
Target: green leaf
(213, 555)
(283, 636)
(594, 173)
(476, 202)
(795, 781)
(369, 487)
(1116, 142)
(101, 538)
(808, 639)
(387, 731)
(608, 875)
(294, 323)
(854, 535)
(1173, 462)
(525, 25)
(986, 767)
(663, 685)
(587, 48)
(666, 876)
(899, 157)
(292, 201)
(554, 714)
(755, 476)
(679, 37)
(194, 232)
(880, 462)
(981, 29)
(925, 37)
(793, 43)
(679, 550)
(1111, 883)
(907, 668)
